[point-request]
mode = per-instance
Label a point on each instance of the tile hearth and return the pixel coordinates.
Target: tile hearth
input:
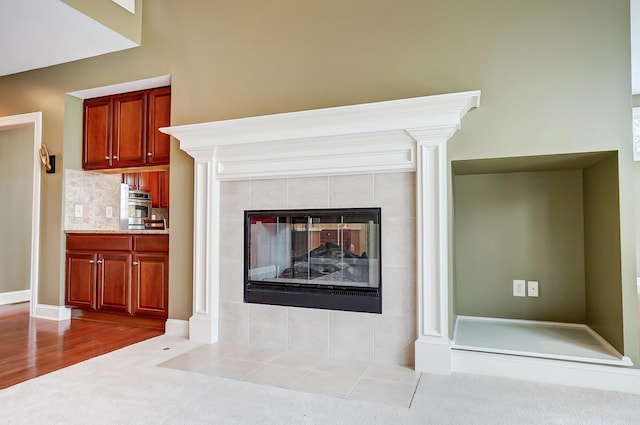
(344, 378)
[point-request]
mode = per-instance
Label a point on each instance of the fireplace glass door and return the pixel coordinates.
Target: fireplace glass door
(314, 258)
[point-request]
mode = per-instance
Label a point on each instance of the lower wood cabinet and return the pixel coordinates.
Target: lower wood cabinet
(126, 274)
(149, 281)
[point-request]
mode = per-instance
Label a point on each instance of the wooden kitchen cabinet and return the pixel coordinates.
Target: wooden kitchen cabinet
(158, 145)
(164, 190)
(96, 147)
(151, 275)
(129, 130)
(113, 284)
(141, 181)
(81, 279)
(121, 273)
(121, 131)
(155, 182)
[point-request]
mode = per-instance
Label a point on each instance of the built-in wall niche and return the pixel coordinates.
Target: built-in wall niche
(551, 219)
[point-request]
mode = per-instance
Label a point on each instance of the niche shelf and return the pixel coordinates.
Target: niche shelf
(550, 340)
(554, 219)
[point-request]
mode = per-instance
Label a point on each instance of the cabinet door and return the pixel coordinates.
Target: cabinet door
(114, 282)
(164, 189)
(150, 282)
(131, 179)
(97, 134)
(129, 129)
(158, 144)
(154, 183)
(80, 285)
(146, 181)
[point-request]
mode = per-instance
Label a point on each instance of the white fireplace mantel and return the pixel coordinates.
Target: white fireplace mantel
(391, 136)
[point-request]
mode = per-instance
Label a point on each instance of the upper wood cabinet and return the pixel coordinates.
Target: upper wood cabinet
(156, 182)
(159, 146)
(121, 131)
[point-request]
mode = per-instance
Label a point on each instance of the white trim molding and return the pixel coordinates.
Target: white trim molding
(178, 328)
(24, 120)
(15, 297)
(602, 377)
(403, 135)
(52, 312)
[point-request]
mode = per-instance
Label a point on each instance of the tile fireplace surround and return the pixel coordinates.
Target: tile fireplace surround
(387, 154)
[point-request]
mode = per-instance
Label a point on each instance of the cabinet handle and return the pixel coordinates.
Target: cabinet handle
(91, 262)
(149, 153)
(135, 263)
(115, 157)
(107, 158)
(100, 261)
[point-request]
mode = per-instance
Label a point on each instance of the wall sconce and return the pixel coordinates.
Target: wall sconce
(48, 161)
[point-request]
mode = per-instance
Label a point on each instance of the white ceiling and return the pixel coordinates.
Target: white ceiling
(40, 33)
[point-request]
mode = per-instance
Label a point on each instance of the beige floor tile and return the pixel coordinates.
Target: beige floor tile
(392, 373)
(342, 366)
(300, 360)
(200, 357)
(276, 375)
(333, 384)
(337, 377)
(255, 354)
(391, 393)
(231, 368)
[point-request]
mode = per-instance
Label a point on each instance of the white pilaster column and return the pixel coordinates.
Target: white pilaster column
(203, 324)
(433, 346)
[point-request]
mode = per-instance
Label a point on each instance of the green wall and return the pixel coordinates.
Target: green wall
(550, 83)
(602, 253)
(526, 225)
(16, 181)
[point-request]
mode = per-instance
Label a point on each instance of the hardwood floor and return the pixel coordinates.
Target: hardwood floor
(31, 347)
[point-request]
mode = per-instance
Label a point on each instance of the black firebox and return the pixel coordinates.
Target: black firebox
(321, 258)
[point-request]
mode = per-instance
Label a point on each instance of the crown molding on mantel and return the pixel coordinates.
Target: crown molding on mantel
(393, 136)
(372, 137)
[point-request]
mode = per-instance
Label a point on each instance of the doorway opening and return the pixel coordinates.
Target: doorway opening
(27, 129)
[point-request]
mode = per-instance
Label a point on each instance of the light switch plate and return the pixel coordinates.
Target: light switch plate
(532, 288)
(109, 212)
(78, 210)
(519, 286)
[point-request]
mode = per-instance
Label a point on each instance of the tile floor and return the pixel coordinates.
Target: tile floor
(345, 378)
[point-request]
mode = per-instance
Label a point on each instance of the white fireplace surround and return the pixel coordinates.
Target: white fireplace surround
(391, 136)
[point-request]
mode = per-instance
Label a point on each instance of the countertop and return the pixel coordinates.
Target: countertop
(119, 231)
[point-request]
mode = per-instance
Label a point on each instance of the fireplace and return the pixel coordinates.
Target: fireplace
(296, 157)
(327, 258)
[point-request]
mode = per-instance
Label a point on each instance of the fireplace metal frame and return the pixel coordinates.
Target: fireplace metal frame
(340, 296)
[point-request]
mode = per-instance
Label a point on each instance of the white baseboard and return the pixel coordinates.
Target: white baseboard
(433, 355)
(602, 377)
(175, 327)
(15, 297)
(52, 312)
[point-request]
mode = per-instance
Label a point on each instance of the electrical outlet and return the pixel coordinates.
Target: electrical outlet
(519, 288)
(109, 212)
(532, 288)
(78, 210)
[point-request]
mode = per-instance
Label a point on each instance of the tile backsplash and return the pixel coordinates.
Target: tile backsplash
(92, 193)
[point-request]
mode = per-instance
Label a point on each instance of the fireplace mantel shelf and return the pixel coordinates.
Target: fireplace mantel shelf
(355, 139)
(405, 135)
